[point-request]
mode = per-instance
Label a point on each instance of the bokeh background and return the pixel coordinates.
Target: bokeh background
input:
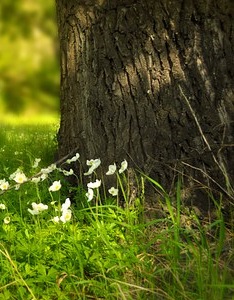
(29, 58)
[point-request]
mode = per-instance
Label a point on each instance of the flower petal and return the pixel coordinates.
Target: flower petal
(124, 165)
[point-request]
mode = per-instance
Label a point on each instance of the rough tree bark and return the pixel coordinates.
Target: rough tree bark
(150, 81)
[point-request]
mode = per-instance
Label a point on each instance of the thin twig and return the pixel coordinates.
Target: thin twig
(208, 176)
(220, 165)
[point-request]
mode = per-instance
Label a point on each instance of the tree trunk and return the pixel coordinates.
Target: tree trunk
(152, 82)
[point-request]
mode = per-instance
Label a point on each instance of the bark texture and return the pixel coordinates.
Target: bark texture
(149, 81)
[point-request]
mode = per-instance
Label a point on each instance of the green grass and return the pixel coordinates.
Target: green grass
(105, 251)
(24, 139)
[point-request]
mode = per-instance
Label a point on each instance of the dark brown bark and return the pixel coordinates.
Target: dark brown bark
(152, 82)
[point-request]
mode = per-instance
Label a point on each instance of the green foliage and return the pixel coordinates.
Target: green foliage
(29, 76)
(105, 251)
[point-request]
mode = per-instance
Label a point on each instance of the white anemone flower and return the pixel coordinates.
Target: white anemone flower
(45, 171)
(12, 176)
(68, 173)
(56, 186)
(111, 170)
(43, 176)
(36, 162)
(2, 206)
(90, 194)
(6, 220)
(66, 204)
(4, 185)
(20, 177)
(124, 165)
(49, 169)
(17, 186)
(113, 191)
(37, 208)
(66, 212)
(36, 179)
(94, 185)
(73, 159)
(55, 219)
(66, 216)
(94, 164)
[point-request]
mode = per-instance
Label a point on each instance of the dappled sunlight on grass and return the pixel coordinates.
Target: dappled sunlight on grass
(18, 120)
(23, 138)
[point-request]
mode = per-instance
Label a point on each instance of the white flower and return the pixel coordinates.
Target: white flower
(90, 171)
(124, 165)
(45, 171)
(55, 219)
(43, 176)
(2, 206)
(7, 220)
(33, 212)
(94, 185)
(37, 208)
(17, 186)
(48, 170)
(68, 173)
(18, 176)
(66, 216)
(36, 162)
(94, 164)
(56, 186)
(66, 212)
(36, 179)
(111, 170)
(73, 159)
(12, 176)
(66, 204)
(113, 191)
(89, 194)
(4, 185)
(52, 167)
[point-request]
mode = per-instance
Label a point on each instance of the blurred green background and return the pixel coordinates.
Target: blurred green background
(29, 59)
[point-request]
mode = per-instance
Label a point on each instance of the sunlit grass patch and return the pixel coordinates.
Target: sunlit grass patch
(22, 140)
(29, 119)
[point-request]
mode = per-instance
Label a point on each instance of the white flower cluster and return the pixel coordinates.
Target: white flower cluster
(94, 164)
(65, 209)
(112, 168)
(19, 177)
(91, 186)
(66, 212)
(37, 208)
